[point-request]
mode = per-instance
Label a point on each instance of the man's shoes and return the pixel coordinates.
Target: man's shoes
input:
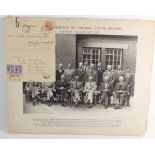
(128, 105)
(90, 106)
(100, 101)
(33, 103)
(63, 104)
(120, 107)
(106, 106)
(49, 104)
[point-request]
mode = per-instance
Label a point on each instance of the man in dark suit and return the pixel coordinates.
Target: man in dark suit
(120, 93)
(62, 88)
(59, 72)
(105, 90)
(100, 72)
(91, 72)
(76, 88)
(80, 72)
(129, 79)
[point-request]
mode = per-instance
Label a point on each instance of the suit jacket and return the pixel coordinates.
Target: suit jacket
(58, 74)
(129, 78)
(92, 73)
(85, 68)
(118, 74)
(90, 86)
(76, 85)
(100, 75)
(123, 87)
(104, 86)
(111, 77)
(80, 73)
(61, 83)
(36, 91)
(68, 74)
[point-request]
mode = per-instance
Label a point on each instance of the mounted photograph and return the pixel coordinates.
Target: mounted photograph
(93, 73)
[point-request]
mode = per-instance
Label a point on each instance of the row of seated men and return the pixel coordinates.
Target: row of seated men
(86, 83)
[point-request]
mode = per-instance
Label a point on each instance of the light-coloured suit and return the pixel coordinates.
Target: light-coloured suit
(90, 89)
(68, 73)
(76, 87)
(48, 90)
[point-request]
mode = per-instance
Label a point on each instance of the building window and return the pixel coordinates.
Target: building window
(92, 55)
(114, 57)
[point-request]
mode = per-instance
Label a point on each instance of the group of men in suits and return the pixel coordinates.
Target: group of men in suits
(87, 83)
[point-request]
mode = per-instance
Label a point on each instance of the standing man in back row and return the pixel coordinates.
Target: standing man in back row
(80, 72)
(91, 72)
(68, 73)
(100, 72)
(111, 76)
(59, 72)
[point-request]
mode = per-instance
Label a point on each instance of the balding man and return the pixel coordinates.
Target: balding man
(80, 72)
(91, 72)
(120, 93)
(105, 90)
(76, 87)
(90, 89)
(62, 89)
(110, 74)
(59, 72)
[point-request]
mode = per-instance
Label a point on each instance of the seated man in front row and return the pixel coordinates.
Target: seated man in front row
(120, 93)
(90, 89)
(76, 87)
(47, 89)
(105, 90)
(62, 89)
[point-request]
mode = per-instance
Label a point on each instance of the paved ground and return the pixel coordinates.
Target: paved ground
(57, 108)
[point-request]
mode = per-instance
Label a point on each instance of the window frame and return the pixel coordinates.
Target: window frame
(91, 50)
(111, 52)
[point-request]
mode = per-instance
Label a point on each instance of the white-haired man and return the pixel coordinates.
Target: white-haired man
(76, 87)
(90, 89)
(105, 90)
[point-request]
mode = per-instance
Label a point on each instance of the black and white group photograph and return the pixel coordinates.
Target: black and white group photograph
(93, 73)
